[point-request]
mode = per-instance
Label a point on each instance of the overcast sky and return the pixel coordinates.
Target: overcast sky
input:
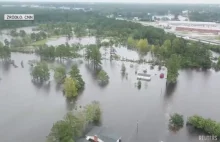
(126, 1)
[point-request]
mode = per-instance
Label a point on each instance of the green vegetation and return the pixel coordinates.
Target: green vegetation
(59, 74)
(103, 77)
(39, 42)
(164, 46)
(74, 124)
(209, 126)
(70, 89)
(5, 53)
(76, 76)
(139, 84)
(172, 65)
(176, 121)
(63, 51)
(93, 54)
(123, 69)
(40, 72)
(142, 46)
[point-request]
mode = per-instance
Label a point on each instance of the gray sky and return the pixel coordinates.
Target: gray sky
(128, 1)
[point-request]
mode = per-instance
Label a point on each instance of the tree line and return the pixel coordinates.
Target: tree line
(208, 126)
(75, 123)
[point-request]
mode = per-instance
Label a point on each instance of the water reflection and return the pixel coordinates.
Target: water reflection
(6, 66)
(71, 104)
(169, 90)
(41, 85)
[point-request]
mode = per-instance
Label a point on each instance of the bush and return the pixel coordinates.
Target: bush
(207, 125)
(176, 121)
(103, 77)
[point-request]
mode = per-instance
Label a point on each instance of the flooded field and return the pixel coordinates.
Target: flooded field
(28, 111)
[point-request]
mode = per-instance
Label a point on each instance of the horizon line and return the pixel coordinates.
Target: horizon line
(89, 2)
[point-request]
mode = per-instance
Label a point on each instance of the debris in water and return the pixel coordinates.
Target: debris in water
(22, 64)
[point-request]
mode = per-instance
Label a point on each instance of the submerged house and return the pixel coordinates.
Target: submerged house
(144, 76)
(100, 134)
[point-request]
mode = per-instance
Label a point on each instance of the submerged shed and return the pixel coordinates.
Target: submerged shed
(100, 134)
(144, 76)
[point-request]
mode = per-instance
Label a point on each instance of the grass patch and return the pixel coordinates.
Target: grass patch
(40, 42)
(44, 41)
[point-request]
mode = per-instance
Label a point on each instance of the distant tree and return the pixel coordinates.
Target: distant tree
(46, 52)
(131, 42)
(13, 33)
(22, 33)
(6, 42)
(41, 72)
(70, 89)
(63, 51)
(33, 36)
(26, 40)
(123, 68)
(142, 45)
(76, 76)
(5, 52)
(16, 43)
(43, 35)
(59, 74)
(93, 54)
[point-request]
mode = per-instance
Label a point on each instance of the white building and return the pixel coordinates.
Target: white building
(192, 24)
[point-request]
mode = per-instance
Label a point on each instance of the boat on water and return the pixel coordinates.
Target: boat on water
(144, 76)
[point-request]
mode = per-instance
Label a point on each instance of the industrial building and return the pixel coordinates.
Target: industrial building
(192, 24)
(198, 29)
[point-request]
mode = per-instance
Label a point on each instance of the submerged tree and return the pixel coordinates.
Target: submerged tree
(41, 72)
(59, 74)
(123, 69)
(173, 66)
(93, 112)
(74, 123)
(70, 89)
(176, 121)
(5, 52)
(76, 76)
(93, 54)
(103, 77)
(139, 84)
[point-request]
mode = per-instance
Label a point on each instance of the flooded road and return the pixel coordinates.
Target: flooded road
(28, 111)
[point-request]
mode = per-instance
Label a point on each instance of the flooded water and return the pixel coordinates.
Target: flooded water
(5, 33)
(29, 111)
(62, 40)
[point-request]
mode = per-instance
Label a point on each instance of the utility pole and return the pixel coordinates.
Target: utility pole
(137, 126)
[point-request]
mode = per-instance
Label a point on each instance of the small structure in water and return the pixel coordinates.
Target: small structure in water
(143, 76)
(22, 64)
(144, 70)
(162, 75)
(152, 67)
(99, 134)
